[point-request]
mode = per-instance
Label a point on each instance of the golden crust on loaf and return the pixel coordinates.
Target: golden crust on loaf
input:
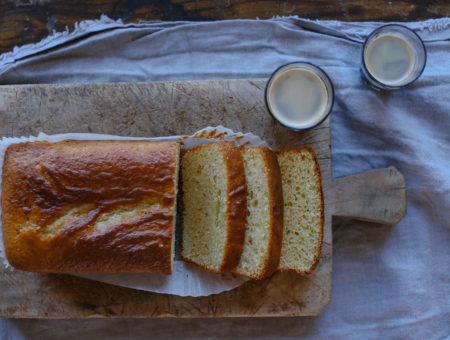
(90, 206)
(236, 206)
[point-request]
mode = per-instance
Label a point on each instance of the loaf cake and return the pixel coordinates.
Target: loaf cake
(303, 210)
(90, 206)
(214, 206)
(264, 223)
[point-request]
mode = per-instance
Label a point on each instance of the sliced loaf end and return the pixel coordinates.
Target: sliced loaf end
(303, 210)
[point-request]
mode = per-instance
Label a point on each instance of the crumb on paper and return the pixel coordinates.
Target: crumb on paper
(212, 134)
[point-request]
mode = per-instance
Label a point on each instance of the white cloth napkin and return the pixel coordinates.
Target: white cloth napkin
(388, 282)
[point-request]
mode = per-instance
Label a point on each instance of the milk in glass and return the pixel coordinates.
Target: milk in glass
(298, 98)
(390, 60)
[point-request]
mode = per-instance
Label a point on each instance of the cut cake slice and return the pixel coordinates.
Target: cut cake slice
(303, 210)
(214, 206)
(264, 224)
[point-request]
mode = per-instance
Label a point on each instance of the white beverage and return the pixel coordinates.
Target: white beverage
(298, 98)
(390, 60)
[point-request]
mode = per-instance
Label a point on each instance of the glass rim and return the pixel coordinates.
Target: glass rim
(320, 72)
(379, 84)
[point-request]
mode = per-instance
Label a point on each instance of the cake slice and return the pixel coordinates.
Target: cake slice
(303, 210)
(214, 206)
(264, 224)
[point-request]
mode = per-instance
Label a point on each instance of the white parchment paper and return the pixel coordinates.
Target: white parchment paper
(186, 279)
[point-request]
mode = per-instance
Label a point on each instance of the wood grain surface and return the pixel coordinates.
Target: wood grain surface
(174, 108)
(28, 21)
(369, 195)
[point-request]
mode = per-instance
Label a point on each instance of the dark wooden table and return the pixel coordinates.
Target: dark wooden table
(28, 21)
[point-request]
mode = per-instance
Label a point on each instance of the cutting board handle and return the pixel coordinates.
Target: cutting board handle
(376, 196)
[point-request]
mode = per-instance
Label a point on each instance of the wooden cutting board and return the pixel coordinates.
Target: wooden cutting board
(174, 108)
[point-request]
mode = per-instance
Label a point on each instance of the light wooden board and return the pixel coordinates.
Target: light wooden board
(161, 109)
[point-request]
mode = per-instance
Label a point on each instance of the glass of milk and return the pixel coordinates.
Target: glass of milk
(299, 95)
(393, 57)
